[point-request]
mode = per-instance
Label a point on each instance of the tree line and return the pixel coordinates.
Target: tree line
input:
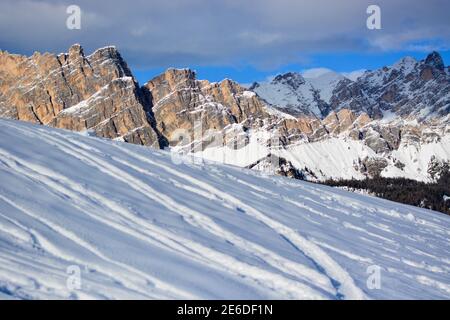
(434, 196)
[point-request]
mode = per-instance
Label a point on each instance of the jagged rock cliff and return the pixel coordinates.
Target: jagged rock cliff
(180, 101)
(76, 92)
(299, 96)
(408, 89)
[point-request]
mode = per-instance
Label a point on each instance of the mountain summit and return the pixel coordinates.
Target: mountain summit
(96, 92)
(297, 95)
(409, 89)
(435, 60)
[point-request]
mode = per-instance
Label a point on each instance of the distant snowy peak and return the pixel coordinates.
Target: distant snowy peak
(298, 94)
(291, 79)
(409, 88)
(406, 64)
(316, 72)
(354, 75)
(325, 83)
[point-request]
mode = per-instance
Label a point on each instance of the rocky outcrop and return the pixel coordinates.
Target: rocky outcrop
(278, 165)
(437, 167)
(76, 92)
(371, 167)
(204, 110)
(180, 101)
(298, 96)
(344, 120)
(409, 89)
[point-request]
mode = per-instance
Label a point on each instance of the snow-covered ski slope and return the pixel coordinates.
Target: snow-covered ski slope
(140, 226)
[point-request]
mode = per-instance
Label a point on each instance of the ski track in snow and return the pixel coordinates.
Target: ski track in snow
(144, 227)
(320, 258)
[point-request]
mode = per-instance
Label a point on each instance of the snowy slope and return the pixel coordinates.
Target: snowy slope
(141, 226)
(324, 82)
(335, 157)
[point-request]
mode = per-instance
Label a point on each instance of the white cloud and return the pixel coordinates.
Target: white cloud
(353, 75)
(262, 33)
(315, 72)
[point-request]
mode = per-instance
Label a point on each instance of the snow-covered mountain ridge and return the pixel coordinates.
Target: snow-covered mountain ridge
(408, 88)
(140, 226)
(391, 122)
(299, 95)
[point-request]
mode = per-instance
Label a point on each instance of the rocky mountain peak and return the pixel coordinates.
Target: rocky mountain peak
(435, 60)
(171, 80)
(293, 79)
(180, 100)
(76, 51)
(406, 65)
(76, 92)
(179, 75)
(408, 89)
(113, 56)
(294, 94)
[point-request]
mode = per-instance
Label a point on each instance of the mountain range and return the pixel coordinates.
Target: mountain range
(391, 122)
(407, 89)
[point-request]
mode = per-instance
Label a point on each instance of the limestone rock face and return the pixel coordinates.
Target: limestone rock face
(114, 111)
(180, 101)
(75, 92)
(371, 167)
(340, 121)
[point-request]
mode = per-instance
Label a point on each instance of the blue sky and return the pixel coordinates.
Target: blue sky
(340, 62)
(242, 40)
